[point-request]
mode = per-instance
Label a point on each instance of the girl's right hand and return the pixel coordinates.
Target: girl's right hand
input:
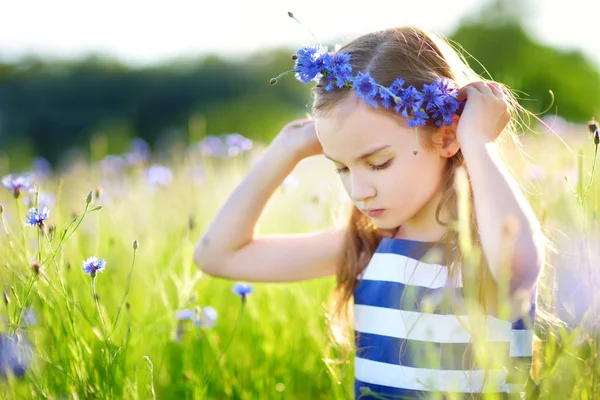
(300, 137)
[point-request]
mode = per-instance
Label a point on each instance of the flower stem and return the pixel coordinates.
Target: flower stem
(591, 175)
(237, 321)
(126, 292)
(96, 301)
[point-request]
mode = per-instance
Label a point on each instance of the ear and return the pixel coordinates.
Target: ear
(445, 139)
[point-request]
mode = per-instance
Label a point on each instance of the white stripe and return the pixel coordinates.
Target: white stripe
(521, 343)
(421, 326)
(400, 376)
(397, 268)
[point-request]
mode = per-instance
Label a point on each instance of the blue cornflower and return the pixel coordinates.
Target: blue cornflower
(444, 113)
(159, 175)
(397, 87)
(412, 100)
(446, 87)
(366, 88)
(35, 218)
(205, 317)
(385, 97)
(242, 290)
(18, 184)
(419, 119)
(15, 354)
(339, 71)
(92, 265)
(237, 144)
(432, 95)
(310, 62)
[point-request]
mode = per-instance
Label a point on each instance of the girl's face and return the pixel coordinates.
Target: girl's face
(373, 153)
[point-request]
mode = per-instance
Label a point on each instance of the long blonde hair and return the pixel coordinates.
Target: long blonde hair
(418, 57)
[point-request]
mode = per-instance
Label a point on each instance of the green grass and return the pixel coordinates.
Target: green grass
(276, 345)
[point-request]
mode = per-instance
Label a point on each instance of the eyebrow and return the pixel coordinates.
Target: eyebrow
(365, 155)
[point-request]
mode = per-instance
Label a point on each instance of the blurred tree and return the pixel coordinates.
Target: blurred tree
(496, 37)
(53, 106)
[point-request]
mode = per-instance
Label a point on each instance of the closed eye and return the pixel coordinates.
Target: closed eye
(375, 167)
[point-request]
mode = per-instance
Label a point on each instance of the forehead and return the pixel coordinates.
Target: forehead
(353, 127)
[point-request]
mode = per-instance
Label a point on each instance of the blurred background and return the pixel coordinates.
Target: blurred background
(85, 79)
(158, 109)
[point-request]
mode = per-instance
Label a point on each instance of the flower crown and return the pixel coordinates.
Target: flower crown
(436, 102)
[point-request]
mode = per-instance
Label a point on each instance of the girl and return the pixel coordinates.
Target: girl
(386, 113)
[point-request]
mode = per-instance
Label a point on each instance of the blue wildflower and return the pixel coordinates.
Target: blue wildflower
(186, 314)
(242, 290)
(432, 96)
(444, 113)
(237, 144)
(213, 146)
(205, 317)
(159, 175)
(385, 97)
(41, 169)
(419, 119)
(18, 184)
(339, 71)
(92, 265)
(412, 100)
(397, 87)
(310, 63)
(139, 152)
(366, 88)
(446, 87)
(35, 218)
(15, 354)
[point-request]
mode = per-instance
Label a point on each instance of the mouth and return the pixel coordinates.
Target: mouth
(373, 213)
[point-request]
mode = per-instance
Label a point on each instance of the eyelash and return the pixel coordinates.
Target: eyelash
(373, 167)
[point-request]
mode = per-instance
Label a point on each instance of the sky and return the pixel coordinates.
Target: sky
(146, 32)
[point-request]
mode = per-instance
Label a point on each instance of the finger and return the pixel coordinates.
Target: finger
(483, 88)
(298, 123)
(496, 89)
(466, 91)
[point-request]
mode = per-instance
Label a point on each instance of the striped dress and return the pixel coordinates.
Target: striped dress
(410, 346)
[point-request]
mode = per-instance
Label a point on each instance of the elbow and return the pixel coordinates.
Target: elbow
(526, 267)
(202, 258)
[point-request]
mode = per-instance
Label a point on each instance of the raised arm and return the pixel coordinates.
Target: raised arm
(229, 249)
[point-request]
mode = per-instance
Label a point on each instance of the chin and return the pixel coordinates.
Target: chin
(383, 224)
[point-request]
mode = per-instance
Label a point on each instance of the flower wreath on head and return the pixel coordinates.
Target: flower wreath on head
(437, 102)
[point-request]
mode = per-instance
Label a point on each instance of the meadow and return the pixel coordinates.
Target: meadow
(143, 322)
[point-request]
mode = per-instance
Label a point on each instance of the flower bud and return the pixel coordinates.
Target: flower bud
(98, 192)
(294, 56)
(6, 299)
(135, 244)
(37, 268)
(88, 199)
(1, 208)
(273, 81)
(596, 137)
(593, 125)
(290, 14)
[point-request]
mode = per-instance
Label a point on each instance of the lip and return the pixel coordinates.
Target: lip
(374, 212)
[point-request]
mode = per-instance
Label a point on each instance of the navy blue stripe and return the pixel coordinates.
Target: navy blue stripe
(399, 296)
(527, 321)
(421, 354)
(362, 389)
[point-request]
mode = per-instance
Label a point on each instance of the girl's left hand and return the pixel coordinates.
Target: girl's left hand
(485, 114)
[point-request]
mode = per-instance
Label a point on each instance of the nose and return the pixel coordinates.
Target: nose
(360, 188)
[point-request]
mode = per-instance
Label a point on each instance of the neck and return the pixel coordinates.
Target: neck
(423, 226)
